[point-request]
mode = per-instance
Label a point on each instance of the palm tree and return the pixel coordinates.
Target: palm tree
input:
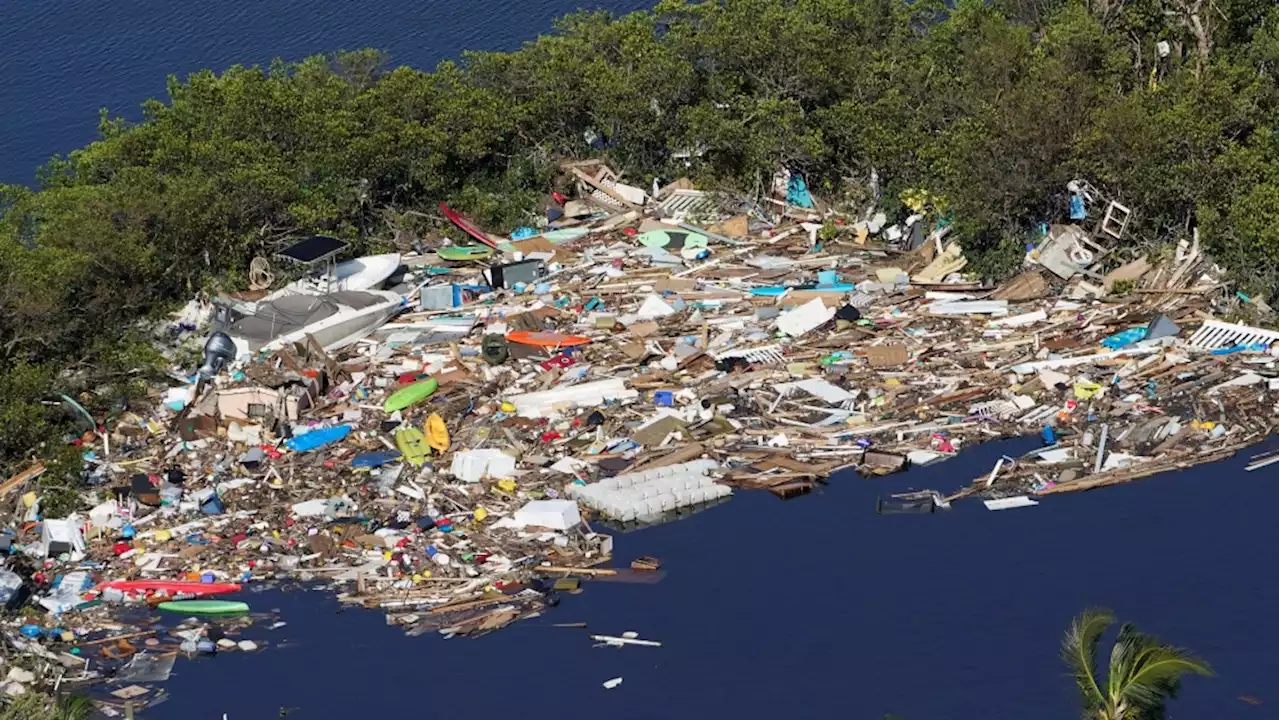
(1142, 675)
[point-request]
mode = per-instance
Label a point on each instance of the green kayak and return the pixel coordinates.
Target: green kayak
(463, 253)
(205, 607)
(410, 394)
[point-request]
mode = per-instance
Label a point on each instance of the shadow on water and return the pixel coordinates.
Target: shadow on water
(819, 608)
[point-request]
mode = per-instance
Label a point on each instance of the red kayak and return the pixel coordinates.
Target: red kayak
(170, 587)
(467, 226)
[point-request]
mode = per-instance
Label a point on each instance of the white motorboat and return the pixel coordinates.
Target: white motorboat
(365, 273)
(335, 320)
(360, 274)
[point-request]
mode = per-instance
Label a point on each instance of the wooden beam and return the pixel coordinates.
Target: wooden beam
(602, 188)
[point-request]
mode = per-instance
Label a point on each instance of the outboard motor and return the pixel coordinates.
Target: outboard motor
(219, 350)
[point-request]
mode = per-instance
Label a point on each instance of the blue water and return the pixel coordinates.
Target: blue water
(818, 608)
(62, 60)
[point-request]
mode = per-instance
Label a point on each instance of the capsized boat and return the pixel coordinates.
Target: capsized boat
(334, 320)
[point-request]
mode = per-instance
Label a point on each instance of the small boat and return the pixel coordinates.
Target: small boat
(334, 320)
(413, 445)
(463, 253)
(364, 273)
(170, 587)
(467, 226)
(546, 339)
(409, 395)
(205, 607)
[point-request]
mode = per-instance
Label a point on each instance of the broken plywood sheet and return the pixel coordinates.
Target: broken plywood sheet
(885, 356)
(1129, 271)
(736, 226)
(1029, 285)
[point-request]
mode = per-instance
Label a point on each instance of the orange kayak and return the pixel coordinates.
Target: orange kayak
(546, 339)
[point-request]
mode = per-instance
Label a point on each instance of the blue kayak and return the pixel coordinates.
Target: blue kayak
(317, 439)
(375, 459)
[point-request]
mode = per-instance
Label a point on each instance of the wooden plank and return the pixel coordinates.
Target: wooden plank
(573, 570)
(31, 473)
(330, 365)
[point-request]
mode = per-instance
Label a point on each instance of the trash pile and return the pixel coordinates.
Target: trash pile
(444, 432)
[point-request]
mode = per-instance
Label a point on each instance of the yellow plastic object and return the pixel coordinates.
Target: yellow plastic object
(412, 445)
(480, 513)
(163, 536)
(507, 484)
(29, 499)
(437, 433)
(508, 407)
(1086, 390)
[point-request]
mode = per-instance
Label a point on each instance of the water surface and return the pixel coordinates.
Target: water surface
(62, 60)
(818, 608)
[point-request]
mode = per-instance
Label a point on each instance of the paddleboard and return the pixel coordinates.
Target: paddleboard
(409, 395)
(413, 445)
(546, 339)
(205, 607)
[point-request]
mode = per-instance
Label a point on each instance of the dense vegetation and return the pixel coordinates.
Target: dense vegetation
(991, 108)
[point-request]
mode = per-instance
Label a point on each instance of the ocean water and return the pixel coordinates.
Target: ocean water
(63, 60)
(819, 608)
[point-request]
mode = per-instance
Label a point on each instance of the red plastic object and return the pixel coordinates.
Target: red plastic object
(559, 361)
(467, 226)
(172, 587)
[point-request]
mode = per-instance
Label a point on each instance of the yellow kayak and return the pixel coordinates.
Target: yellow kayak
(412, 445)
(437, 433)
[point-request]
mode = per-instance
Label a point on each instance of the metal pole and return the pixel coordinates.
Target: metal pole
(1102, 447)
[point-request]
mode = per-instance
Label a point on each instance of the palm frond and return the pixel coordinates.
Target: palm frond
(1080, 652)
(74, 707)
(1125, 651)
(1152, 673)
